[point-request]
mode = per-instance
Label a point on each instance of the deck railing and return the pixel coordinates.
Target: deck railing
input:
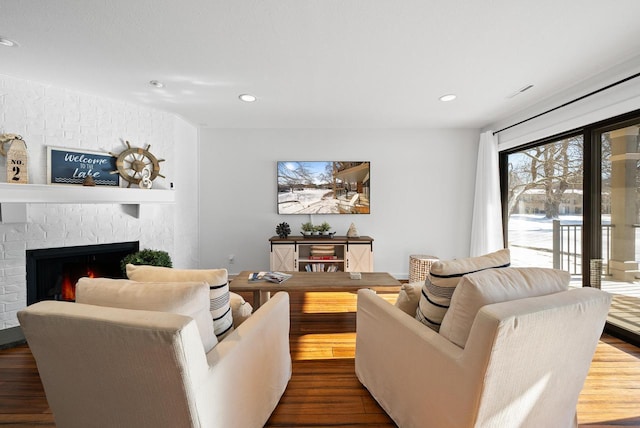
(567, 247)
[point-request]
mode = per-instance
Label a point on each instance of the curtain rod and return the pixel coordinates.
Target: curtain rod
(626, 79)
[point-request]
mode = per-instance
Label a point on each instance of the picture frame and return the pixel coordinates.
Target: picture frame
(68, 166)
(323, 187)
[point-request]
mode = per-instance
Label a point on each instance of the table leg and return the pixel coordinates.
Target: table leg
(260, 298)
(264, 297)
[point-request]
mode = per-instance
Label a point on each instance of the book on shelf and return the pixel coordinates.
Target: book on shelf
(323, 257)
(277, 277)
(319, 267)
(314, 267)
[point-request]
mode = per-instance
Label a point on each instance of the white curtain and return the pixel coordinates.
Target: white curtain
(486, 226)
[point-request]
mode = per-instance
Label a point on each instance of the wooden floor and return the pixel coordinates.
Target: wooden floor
(324, 390)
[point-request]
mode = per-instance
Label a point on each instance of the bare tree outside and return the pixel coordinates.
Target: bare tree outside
(552, 168)
(293, 174)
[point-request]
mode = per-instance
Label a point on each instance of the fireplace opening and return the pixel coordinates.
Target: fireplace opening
(52, 273)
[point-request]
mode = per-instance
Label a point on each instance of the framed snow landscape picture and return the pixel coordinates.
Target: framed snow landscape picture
(323, 187)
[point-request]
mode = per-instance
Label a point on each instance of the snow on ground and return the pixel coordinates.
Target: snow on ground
(536, 231)
(531, 240)
(307, 201)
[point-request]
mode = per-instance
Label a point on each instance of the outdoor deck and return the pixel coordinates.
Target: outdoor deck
(625, 308)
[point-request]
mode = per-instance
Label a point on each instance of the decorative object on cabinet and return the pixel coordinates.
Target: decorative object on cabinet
(72, 166)
(352, 232)
(324, 228)
(132, 161)
(314, 254)
(307, 228)
(283, 230)
(318, 231)
(320, 187)
(16, 155)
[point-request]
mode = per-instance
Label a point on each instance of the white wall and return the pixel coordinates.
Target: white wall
(46, 115)
(422, 184)
(186, 254)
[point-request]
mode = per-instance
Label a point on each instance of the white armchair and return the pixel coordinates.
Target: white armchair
(522, 364)
(105, 367)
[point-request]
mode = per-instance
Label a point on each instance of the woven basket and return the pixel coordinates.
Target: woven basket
(419, 265)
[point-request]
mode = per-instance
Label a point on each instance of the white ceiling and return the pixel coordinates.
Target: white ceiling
(320, 63)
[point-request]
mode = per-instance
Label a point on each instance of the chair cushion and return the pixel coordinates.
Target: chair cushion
(442, 279)
(478, 289)
(218, 289)
(183, 298)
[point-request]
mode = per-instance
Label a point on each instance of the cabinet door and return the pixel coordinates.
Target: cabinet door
(359, 258)
(283, 257)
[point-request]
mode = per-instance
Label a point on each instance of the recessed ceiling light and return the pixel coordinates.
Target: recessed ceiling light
(448, 97)
(247, 98)
(156, 84)
(7, 42)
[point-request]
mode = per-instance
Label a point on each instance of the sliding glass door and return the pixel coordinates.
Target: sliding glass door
(572, 202)
(620, 222)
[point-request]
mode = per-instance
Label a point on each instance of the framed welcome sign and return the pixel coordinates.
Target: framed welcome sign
(73, 166)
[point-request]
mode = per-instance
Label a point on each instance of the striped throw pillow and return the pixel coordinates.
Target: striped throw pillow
(220, 309)
(443, 278)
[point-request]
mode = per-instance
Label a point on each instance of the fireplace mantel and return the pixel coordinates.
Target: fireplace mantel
(14, 197)
(59, 194)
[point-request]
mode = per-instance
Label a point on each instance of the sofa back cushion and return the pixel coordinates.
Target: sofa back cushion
(443, 278)
(183, 298)
(478, 289)
(219, 300)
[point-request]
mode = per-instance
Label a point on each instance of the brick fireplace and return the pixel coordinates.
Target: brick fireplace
(51, 116)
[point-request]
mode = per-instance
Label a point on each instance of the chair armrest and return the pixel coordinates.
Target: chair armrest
(250, 365)
(410, 369)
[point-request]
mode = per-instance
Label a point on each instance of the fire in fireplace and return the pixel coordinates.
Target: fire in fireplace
(65, 287)
(53, 272)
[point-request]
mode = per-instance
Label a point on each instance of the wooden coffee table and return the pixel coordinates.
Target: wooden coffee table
(311, 281)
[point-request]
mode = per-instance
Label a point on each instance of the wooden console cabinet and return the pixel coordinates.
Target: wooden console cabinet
(300, 254)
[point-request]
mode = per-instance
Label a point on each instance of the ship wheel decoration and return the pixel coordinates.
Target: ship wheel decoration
(133, 162)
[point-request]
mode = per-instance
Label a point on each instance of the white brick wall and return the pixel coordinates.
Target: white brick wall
(44, 116)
